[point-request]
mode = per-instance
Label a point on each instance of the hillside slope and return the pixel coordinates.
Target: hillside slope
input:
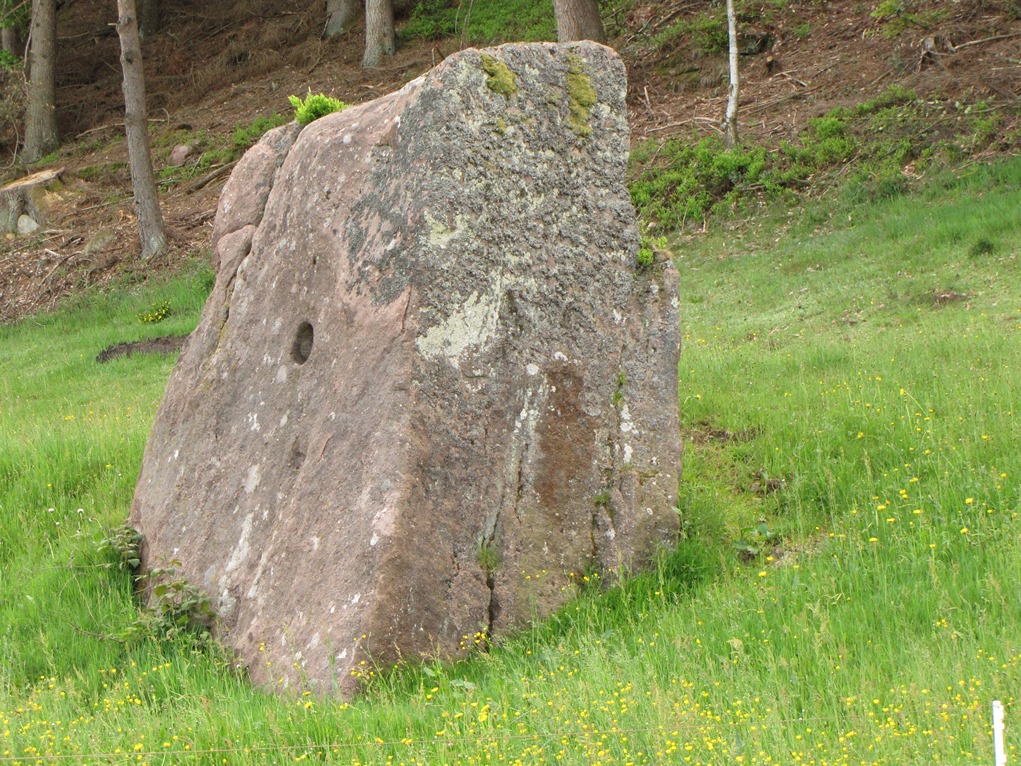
(216, 70)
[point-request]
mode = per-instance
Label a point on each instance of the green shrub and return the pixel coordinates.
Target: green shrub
(9, 62)
(706, 31)
(314, 106)
(688, 180)
(874, 147)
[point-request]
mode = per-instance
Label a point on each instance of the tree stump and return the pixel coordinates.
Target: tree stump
(31, 196)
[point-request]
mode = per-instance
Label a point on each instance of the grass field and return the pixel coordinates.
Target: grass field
(845, 591)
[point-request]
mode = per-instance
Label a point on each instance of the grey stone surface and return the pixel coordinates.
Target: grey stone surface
(100, 241)
(429, 388)
(27, 224)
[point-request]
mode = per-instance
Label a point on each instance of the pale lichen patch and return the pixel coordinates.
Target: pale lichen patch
(472, 325)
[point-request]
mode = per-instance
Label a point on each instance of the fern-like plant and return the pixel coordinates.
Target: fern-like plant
(314, 106)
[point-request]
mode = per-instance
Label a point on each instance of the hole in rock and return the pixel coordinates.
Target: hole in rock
(302, 348)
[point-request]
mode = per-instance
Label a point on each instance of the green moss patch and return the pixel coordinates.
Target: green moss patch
(499, 78)
(581, 96)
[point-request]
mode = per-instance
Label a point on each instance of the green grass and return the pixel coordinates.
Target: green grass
(844, 592)
(215, 150)
(875, 149)
(485, 22)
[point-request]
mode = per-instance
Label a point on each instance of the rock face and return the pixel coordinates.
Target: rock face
(430, 387)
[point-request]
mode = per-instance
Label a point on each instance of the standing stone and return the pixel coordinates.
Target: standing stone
(430, 387)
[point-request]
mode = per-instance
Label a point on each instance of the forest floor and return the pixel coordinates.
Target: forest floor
(215, 69)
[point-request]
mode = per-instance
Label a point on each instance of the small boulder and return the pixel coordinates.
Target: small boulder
(100, 241)
(180, 154)
(27, 225)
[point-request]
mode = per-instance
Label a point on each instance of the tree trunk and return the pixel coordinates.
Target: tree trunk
(143, 182)
(340, 17)
(730, 137)
(149, 17)
(41, 136)
(379, 32)
(578, 20)
(11, 41)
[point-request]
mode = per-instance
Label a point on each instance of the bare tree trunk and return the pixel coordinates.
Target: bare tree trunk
(340, 17)
(11, 41)
(578, 20)
(147, 206)
(379, 32)
(41, 136)
(149, 17)
(730, 137)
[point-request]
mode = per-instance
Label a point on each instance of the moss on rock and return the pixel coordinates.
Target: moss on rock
(581, 96)
(499, 78)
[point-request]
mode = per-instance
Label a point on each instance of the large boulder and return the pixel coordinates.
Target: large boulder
(431, 387)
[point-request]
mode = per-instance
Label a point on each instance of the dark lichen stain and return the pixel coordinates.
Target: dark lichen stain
(499, 78)
(581, 96)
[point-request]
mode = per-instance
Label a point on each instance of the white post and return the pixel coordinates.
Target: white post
(1001, 755)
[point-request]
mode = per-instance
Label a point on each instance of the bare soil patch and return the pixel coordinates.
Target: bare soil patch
(168, 344)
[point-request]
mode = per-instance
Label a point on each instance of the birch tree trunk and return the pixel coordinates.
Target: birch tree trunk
(147, 206)
(340, 17)
(730, 137)
(379, 32)
(578, 20)
(41, 136)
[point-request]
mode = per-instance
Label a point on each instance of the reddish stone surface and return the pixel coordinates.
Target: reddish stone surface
(430, 387)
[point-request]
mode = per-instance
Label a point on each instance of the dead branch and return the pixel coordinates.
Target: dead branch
(955, 48)
(790, 77)
(712, 123)
(210, 177)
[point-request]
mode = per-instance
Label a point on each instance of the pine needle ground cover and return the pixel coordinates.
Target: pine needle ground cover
(845, 591)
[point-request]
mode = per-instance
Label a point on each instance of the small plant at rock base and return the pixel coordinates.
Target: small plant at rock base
(488, 558)
(175, 607)
(155, 314)
(123, 543)
(618, 393)
(245, 135)
(647, 251)
(314, 106)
